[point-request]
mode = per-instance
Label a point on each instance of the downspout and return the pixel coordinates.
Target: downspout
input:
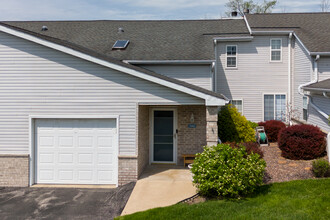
(289, 74)
(326, 95)
(328, 148)
(312, 103)
(216, 64)
(328, 136)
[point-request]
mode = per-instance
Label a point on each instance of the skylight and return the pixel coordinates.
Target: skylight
(120, 44)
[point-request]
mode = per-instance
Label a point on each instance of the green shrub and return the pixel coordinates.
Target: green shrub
(222, 171)
(233, 127)
(321, 167)
(253, 124)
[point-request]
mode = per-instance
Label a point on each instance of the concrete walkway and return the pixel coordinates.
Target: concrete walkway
(159, 186)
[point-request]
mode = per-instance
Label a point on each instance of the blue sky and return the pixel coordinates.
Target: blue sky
(130, 9)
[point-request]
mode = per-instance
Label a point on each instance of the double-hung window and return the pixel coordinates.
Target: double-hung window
(274, 107)
(238, 105)
(276, 50)
(305, 108)
(231, 54)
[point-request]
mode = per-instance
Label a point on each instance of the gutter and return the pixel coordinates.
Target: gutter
(169, 61)
(272, 32)
(247, 38)
(320, 53)
(316, 89)
(311, 100)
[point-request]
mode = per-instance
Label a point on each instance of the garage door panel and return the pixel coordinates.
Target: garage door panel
(76, 151)
(86, 158)
(47, 175)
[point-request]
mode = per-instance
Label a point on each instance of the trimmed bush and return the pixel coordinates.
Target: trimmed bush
(249, 146)
(222, 171)
(302, 142)
(253, 124)
(321, 167)
(272, 129)
(234, 127)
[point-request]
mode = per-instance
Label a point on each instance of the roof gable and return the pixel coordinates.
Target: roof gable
(210, 97)
(312, 28)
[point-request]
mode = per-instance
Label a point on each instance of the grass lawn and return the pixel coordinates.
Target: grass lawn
(302, 199)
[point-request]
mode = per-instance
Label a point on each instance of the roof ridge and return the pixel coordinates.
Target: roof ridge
(179, 20)
(289, 13)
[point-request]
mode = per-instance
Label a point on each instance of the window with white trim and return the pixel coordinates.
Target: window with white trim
(305, 108)
(276, 49)
(238, 105)
(231, 54)
(274, 107)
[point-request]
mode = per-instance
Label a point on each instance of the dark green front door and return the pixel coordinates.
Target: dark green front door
(163, 132)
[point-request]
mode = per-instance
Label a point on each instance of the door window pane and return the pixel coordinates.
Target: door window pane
(163, 136)
(268, 107)
(280, 107)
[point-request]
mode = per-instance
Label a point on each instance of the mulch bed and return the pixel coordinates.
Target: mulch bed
(279, 169)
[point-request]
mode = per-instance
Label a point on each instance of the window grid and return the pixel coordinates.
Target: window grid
(305, 108)
(275, 107)
(231, 53)
(276, 49)
(238, 105)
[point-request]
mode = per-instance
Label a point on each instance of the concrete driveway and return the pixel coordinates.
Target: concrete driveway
(63, 203)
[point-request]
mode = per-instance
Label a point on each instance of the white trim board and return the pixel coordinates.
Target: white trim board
(209, 100)
(32, 118)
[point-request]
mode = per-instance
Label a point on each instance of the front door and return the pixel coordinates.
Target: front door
(163, 135)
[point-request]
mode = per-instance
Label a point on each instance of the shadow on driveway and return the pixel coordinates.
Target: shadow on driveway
(63, 203)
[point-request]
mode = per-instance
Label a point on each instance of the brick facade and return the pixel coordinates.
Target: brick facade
(212, 125)
(191, 140)
(143, 137)
(127, 170)
(14, 170)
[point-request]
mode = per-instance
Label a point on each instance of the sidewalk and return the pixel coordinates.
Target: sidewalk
(159, 186)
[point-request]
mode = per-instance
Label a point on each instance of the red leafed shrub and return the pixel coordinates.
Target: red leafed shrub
(272, 128)
(249, 146)
(302, 142)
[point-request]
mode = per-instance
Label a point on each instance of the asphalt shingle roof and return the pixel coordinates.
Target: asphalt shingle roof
(312, 28)
(322, 85)
(149, 40)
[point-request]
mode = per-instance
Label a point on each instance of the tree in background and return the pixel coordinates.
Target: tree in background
(325, 5)
(241, 5)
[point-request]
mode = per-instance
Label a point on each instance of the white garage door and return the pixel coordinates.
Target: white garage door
(77, 151)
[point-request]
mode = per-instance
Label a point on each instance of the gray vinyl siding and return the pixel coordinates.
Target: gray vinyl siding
(316, 118)
(255, 74)
(199, 75)
(302, 74)
(324, 68)
(36, 80)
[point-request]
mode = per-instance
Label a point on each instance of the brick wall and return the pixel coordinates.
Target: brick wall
(191, 140)
(212, 125)
(127, 169)
(14, 170)
(143, 138)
